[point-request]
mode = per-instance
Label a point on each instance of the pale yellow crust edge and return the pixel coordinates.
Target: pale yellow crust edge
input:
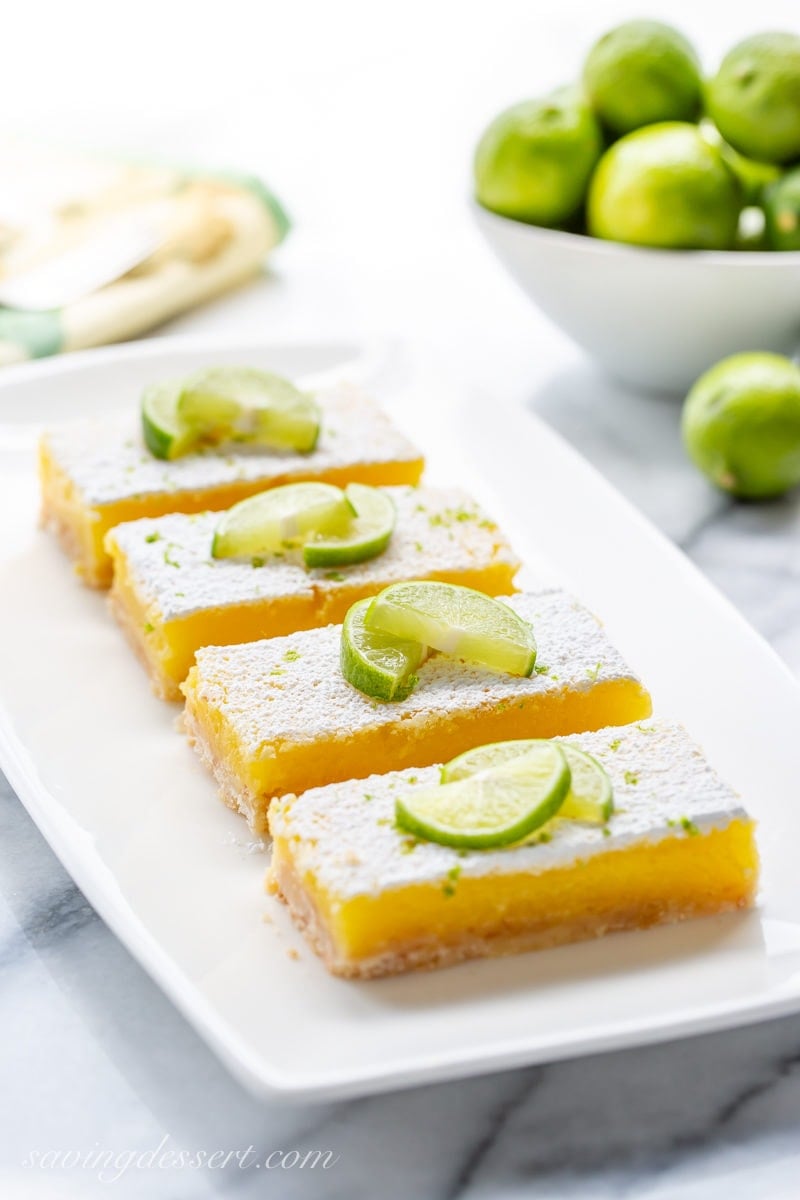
(230, 790)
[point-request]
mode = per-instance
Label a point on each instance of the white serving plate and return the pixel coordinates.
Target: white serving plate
(126, 806)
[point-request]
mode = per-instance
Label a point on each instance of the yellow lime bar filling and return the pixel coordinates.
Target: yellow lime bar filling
(95, 474)
(172, 597)
(374, 901)
(277, 716)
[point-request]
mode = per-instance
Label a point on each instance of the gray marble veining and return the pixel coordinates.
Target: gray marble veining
(94, 1055)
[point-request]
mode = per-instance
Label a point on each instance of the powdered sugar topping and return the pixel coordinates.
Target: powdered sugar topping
(170, 566)
(347, 839)
(108, 462)
(292, 689)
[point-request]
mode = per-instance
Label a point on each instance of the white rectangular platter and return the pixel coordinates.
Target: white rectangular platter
(114, 788)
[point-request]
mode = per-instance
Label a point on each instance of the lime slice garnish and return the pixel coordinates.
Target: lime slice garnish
(486, 758)
(165, 434)
(458, 621)
(367, 536)
(265, 409)
(280, 519)
(492, 808)
(590, 796)
(378, 664)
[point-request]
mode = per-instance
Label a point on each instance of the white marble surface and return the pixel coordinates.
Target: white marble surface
(367, 135)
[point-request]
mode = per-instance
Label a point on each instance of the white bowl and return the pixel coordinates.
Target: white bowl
(654, 318)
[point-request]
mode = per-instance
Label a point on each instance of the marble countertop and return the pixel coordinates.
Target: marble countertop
(92, 1056)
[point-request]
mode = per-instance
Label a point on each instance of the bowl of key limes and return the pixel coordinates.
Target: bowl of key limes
(652, 211)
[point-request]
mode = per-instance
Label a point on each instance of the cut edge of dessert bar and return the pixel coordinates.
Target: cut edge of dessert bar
(373, 901)
(277, 716)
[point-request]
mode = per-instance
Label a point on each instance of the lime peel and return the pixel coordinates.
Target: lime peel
(375, 663)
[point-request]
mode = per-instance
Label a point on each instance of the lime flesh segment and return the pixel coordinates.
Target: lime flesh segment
(367, 537)
(280, 519)
(590, 797)
(166, 435)
(378, 664)
(264, 409)
(492, 808)
(458, 621)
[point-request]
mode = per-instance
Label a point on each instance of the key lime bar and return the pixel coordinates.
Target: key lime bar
(172, 597)
(374, 901)
(277, 716)
(97, 474)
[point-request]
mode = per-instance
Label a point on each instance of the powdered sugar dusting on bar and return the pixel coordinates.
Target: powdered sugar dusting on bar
(663, 787)
(108, 461)
(171, 568)
(292, 689)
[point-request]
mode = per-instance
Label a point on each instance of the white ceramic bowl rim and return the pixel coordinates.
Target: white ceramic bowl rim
(787, 259)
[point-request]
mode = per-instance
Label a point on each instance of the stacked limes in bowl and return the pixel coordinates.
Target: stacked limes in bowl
(644, 150)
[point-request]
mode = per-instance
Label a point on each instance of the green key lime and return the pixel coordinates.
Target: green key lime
(590, 796)
(492, 808)
(753, 176)
(280, 519)
(754, 99)
(458, 621)
(534, 161)
(264, 409)
(741, 425)
(368, 535)
(665, 186)
(642, 72)
(166, 435)
(782, 211)
(378, 664)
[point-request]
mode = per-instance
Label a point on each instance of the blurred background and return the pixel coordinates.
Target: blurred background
(361, 117)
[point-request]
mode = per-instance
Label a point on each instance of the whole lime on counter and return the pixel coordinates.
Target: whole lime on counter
(534, 161)
(754, 99)
(741, 425)
(641, 73)
(665, 186)
(782, 211)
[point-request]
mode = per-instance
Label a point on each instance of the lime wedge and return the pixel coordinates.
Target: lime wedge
(492, 808)
(280, 519)
(486, 758)
(264, 409)
(458, 621)
(378, 664)
(590, 796)
(367, 536)
(166, 435)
